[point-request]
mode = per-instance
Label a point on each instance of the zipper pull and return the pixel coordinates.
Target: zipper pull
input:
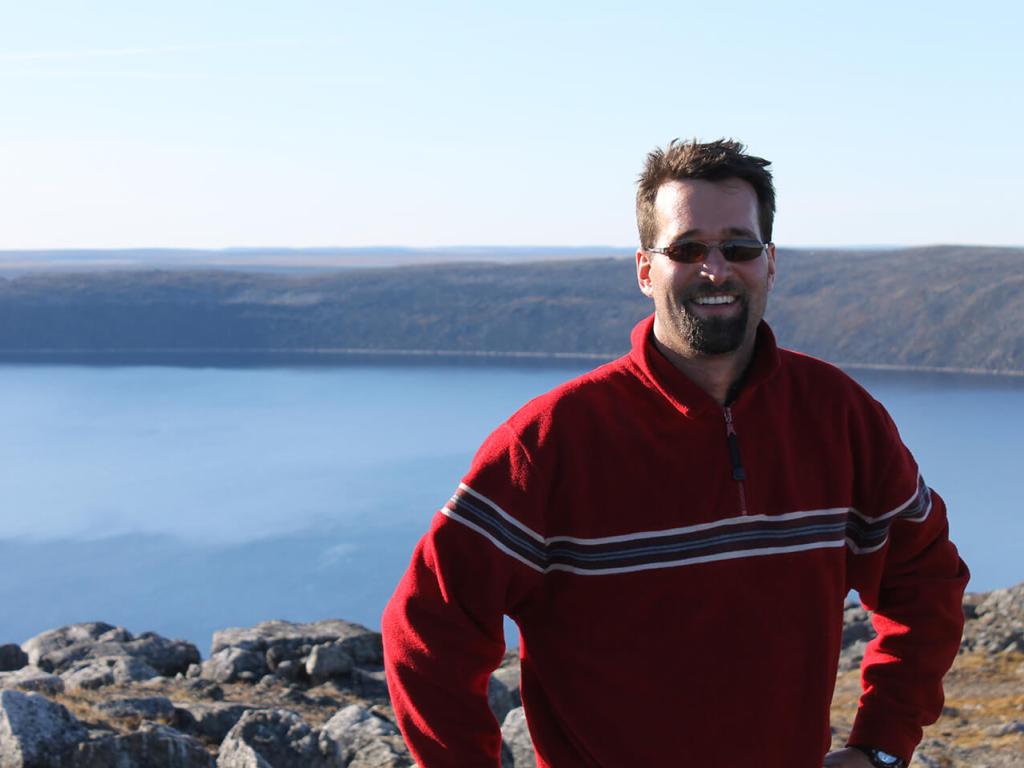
(738, 473)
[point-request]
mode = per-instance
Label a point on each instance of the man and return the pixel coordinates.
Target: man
(675, 533)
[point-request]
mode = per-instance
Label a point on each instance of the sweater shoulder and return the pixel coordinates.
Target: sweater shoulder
(818, 378)
(574, 400)
(825, 391)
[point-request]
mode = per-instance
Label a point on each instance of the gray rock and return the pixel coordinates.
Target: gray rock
(88, 675)
(205, 688)
(998, 621)
(500, 698)
(282, 653)
(1008, 602)
(852, 655)
(516, 736)
(289, 671)
(230, 664)
(144, 708)
(934, 753)
(193, 671)
(283, 640)
(12, 658)
(271, 738)
(856, 625)
(509, 674)
(359, 738)
(59, 649)
(503, 689)
(857, 633)
(36, 732)
(107, 670)
(32, 679)
(1005, 729)
(63, 637)
(327, 661)
(210, 722)
(370, 683)
(151, 746)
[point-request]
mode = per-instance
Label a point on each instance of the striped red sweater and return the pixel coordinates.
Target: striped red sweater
(679, 592)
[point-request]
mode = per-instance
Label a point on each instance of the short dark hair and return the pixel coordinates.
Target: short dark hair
(711, 161)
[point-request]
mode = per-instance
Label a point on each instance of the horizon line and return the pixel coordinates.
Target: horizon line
(242, 250)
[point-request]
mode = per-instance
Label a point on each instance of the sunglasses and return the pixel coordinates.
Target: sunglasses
(695, 251)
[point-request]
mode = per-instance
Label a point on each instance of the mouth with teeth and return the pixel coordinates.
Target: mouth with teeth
(714, 300)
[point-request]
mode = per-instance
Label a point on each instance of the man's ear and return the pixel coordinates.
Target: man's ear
(643, 272)
(771, 266)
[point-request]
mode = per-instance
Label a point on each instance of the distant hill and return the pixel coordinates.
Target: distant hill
(290, 260)
(942, 306)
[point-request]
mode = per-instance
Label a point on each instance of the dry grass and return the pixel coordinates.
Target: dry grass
(982, 693)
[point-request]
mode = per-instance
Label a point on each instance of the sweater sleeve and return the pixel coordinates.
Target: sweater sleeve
(443, 627)
(909, 574)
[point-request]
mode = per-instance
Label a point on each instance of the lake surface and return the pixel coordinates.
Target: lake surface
(184, 500)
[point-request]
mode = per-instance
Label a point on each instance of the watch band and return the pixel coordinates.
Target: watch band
(880, 758)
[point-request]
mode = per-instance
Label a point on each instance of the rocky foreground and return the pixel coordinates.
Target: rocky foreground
(285, 695)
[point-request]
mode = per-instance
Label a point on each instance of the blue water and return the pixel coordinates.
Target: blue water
(183, 500)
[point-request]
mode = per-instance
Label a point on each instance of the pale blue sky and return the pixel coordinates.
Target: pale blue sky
(215, 124)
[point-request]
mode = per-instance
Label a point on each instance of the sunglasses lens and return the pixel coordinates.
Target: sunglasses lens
(688, 252)
(735, 252)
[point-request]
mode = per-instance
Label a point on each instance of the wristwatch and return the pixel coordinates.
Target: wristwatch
(881, 759)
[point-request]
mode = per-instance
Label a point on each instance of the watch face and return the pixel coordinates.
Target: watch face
(884, 758)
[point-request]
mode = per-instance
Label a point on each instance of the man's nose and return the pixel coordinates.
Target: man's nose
(715, 266)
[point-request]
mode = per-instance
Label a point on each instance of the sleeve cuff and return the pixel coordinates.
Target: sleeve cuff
(896, 738)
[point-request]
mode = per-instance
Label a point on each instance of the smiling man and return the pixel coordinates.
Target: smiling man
(675, 534)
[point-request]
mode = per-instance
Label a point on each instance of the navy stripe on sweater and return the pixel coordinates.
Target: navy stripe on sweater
(729, 538)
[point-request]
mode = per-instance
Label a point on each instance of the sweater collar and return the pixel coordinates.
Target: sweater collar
(677, 388)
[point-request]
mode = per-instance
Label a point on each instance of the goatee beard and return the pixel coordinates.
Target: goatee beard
(714, 335)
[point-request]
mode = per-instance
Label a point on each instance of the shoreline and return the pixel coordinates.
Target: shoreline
(327, 356)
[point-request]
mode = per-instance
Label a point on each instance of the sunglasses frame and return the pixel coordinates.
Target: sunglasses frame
(725, 247)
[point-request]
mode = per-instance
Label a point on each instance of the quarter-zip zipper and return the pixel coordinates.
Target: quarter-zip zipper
(738, 473)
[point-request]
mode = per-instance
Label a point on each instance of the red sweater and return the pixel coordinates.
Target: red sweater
(678, 581)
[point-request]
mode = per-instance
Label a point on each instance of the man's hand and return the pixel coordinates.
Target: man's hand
(847, 758)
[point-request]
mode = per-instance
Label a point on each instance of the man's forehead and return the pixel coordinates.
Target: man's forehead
(725, 206)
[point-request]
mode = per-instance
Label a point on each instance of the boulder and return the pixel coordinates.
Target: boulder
(36, 732)
(856, 625)
(327, 661)
(289, 671)
(284, 640)
(12, 658)
(516, 736)
(152, 746)
(59, 649)
(509, 673)
(95, 673)
(210, 722)
(231, 664)
(359, 738)
(32, 679)
(998, 622)
(857, 633)
(1005, 729)
(271, 738)
(503, 689)
(57, 639)
(500, 698)
(144, 708)
(370, 683)
(207, 689)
